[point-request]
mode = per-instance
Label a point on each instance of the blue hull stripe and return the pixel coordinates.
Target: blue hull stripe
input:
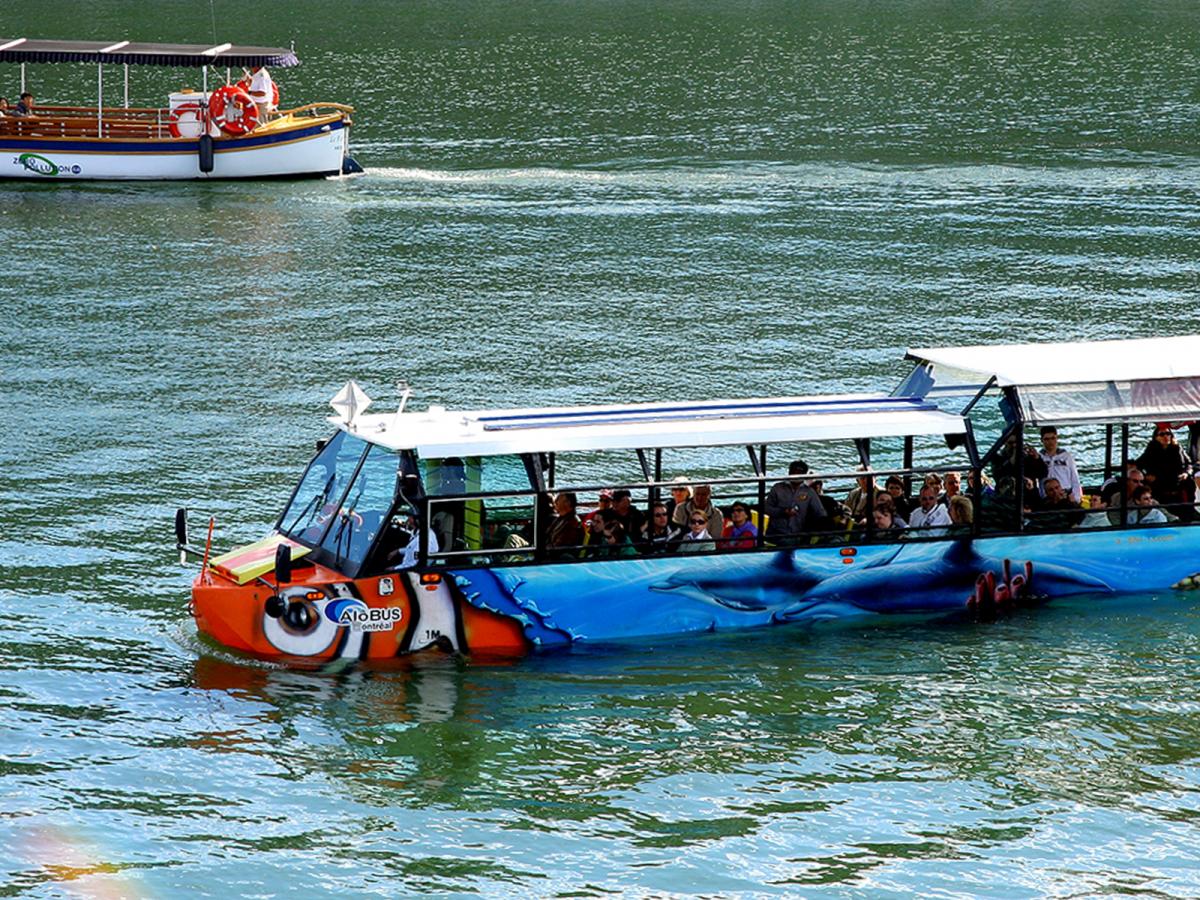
(620, 599)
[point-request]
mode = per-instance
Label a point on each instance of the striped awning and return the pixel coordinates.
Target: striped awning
(28, 50)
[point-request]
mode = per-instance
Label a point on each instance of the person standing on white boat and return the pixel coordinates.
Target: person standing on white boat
(262, 91)
(1060, 465)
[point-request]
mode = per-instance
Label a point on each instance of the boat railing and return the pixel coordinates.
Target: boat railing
(313, 109)
(115, 123)
(511, 527)
(89, 122)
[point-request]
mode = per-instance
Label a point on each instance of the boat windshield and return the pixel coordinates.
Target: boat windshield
(364, 509)
(321, 490)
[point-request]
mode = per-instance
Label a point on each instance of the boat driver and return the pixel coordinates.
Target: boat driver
(262, 91)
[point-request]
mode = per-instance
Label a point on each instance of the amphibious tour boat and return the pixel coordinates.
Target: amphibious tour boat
(198, 134)
(435, 529)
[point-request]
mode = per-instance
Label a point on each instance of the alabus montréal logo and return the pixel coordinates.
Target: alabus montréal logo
(360, 617)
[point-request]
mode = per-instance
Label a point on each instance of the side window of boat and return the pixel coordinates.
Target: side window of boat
(503, 521)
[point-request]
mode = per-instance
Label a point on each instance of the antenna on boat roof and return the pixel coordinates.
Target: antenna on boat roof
(405, 392)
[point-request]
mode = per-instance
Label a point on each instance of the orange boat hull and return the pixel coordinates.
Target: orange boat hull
(327, 616)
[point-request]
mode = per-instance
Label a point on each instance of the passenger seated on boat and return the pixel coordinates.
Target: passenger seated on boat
(604, 502)
(962, 514)
(1112, 490)
(1006, 463)
(1056, 511)
(1167, 468)
(951, 487)
(1060, 464)
(794, 507)
(836, 515)
(887, 526)
(701, 502)
(934, 480)
(630, 517)
(895, 488)
(697, 538)
(565, 534)
(929, 514)
(25, 106)
(858, 501)
(616, 543)
(593, 538)
(660, 536)
(1143, 509)
(885, 501)
(680, 494)
(3, 107)
(986, 490)
(740, 533)
(1097, 515)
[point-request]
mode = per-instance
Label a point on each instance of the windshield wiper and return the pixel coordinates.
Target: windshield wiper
(347, 519)
(312, 504)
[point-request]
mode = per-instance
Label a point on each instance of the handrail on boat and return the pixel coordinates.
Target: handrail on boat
(340, 107)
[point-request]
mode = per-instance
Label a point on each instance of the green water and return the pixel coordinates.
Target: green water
(577, 202)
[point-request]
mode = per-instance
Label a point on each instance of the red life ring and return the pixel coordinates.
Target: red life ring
(193, 108)
(224, 101)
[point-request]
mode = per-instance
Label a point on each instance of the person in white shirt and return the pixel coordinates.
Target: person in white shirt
(1060, 464)
(930, 514)
(1144, 511)
(262, 91)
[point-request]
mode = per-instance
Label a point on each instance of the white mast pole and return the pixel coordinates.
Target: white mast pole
(100, 100)
(127, 85)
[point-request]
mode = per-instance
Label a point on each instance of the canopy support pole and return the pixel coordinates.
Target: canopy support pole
(204, 79)
(1124, 474)
(100, 100)
(760, 541)
(127, 85)
(22, 78)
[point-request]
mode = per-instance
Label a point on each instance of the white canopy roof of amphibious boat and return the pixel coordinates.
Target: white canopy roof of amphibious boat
(1084, 362)
(1097, 381)
(438, 432)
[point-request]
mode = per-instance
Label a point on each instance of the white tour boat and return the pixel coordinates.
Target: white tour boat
(198, 134)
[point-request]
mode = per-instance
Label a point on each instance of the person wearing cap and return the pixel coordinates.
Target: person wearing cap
(1060, 466)
(793, 507)
(701, 503)
(1166, 467)
(681, 492)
